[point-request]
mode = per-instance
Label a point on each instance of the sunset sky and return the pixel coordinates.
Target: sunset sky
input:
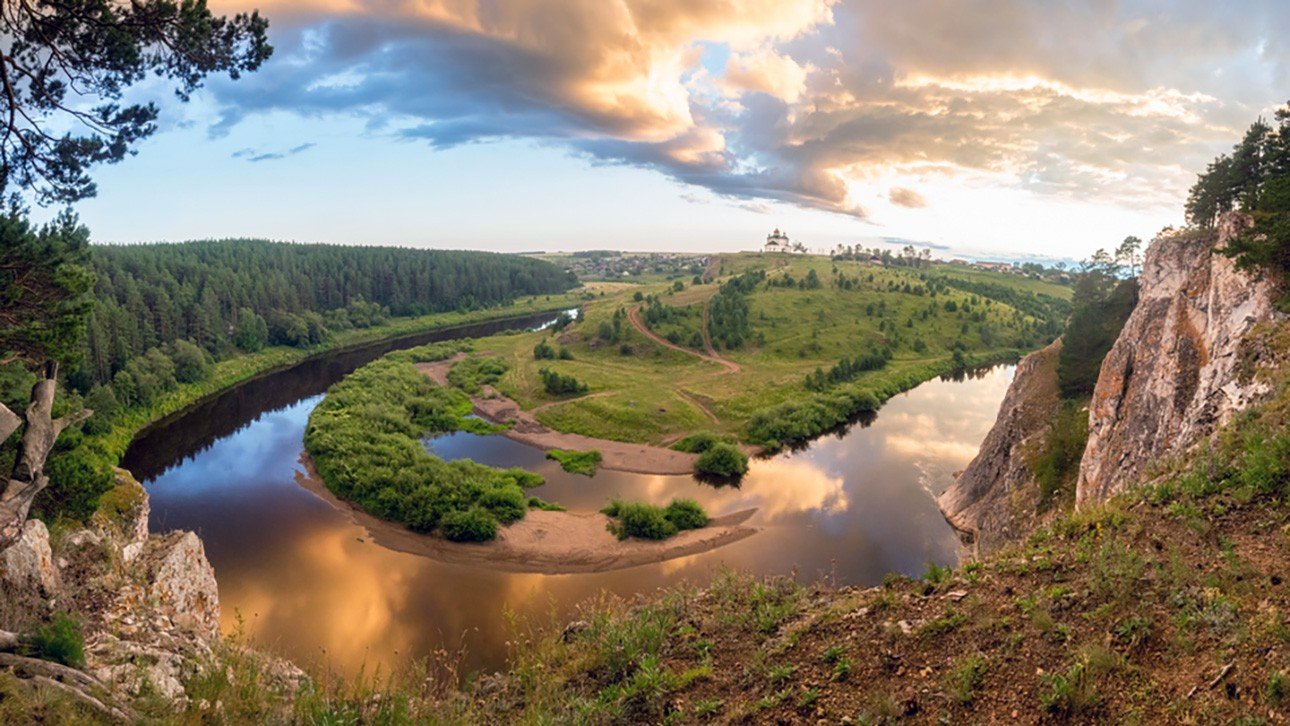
(1013, 127)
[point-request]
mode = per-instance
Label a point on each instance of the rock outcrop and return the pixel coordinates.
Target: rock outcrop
(995, 498)
(27, 567)
(149, 603)
(1179, 368)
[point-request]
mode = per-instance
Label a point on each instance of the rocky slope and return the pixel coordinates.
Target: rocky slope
(1182, 365)
(995, 499)
(149, 605)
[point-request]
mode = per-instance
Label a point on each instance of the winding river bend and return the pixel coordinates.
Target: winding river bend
(308, 583)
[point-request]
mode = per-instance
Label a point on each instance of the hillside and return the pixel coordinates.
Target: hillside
(734, 355)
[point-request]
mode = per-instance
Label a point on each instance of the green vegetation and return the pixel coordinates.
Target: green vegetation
(60, 640)
(722, 460)
(282, 294)
(1057, 463)
(1254, 178)
(365, 441)
(472, 374)
(561, 385)
(647, 521)
(81, 464)
(576, 462)
(871, 332)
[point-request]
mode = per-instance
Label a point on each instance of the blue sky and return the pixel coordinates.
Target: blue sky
(983, 126)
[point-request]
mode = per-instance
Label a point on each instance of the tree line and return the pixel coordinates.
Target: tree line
(1253, 178)
(240, 295)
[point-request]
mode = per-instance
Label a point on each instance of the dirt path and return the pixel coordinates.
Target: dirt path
(633, 315)
(543, 542)
(697, 404)
(707, 340)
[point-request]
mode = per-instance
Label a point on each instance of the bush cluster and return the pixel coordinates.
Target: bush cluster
(722, 460)
(648, 521)
(557, 384)
(365, 439)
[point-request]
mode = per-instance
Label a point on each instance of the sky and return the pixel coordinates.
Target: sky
(1015, 128)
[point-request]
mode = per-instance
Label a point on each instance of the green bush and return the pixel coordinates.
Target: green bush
(60, 640)
(560, 385)
(697, 443)
(1057, 464)
(472, 525)
(647, 521)
(506, 503)
(723, 460)
(576, 462)
(686, 514)
(472, 374)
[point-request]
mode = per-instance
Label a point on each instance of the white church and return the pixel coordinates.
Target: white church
(777, 241)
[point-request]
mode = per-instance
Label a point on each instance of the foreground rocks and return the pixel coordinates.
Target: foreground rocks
(1184, 363)
(149, 603)
(995, 498)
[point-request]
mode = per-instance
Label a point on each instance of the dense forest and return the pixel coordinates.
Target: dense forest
(231, 295)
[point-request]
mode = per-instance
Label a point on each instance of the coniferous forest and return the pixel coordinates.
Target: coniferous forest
(241, 295)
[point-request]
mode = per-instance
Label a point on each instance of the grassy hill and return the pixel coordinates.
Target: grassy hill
(644, 390)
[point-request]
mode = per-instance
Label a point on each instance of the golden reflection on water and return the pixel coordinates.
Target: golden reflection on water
(308, 583)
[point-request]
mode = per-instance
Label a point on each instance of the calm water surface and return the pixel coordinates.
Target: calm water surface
(311, 585)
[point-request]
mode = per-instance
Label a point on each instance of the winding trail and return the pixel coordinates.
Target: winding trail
(697, 404)
(633, 315)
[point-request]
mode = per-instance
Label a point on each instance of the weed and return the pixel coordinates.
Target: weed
(966, 678)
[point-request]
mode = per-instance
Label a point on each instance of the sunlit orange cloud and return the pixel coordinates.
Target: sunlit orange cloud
(814, 99)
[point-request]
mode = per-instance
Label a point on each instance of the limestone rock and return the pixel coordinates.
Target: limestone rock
(995, 498)
(27, 568)
(182, 583)
(1174, 374)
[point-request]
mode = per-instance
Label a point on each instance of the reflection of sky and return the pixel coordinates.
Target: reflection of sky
(305, 578)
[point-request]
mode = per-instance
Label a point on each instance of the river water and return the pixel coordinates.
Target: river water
(300, 579)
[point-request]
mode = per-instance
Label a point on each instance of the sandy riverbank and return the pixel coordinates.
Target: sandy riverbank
(543, 542)
(526, 429)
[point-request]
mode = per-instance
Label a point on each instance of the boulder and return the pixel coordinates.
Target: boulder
(27, 568)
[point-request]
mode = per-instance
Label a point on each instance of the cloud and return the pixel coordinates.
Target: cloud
(254, 156)
(819, 103)
(905, 197)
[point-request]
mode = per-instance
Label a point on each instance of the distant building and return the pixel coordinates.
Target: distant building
(995, 266)
(777, 241)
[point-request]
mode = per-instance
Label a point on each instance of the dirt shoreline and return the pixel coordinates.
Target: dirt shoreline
(549, 543)
(495, 407)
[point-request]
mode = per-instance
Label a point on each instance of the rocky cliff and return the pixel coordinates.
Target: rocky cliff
(995, 498)
(149, 605)
(1182, 365)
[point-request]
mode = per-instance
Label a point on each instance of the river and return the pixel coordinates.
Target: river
(299, 578)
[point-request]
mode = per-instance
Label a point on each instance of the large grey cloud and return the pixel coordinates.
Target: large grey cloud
(1116, 101)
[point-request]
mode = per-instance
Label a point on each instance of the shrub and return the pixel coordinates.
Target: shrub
(576, 462)
(472, 525)
(646, 521)
(686, 514)
(697, 443)
(560, 385)
(723, 460)
(60, 640)
(507, 503)
(543, 351)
